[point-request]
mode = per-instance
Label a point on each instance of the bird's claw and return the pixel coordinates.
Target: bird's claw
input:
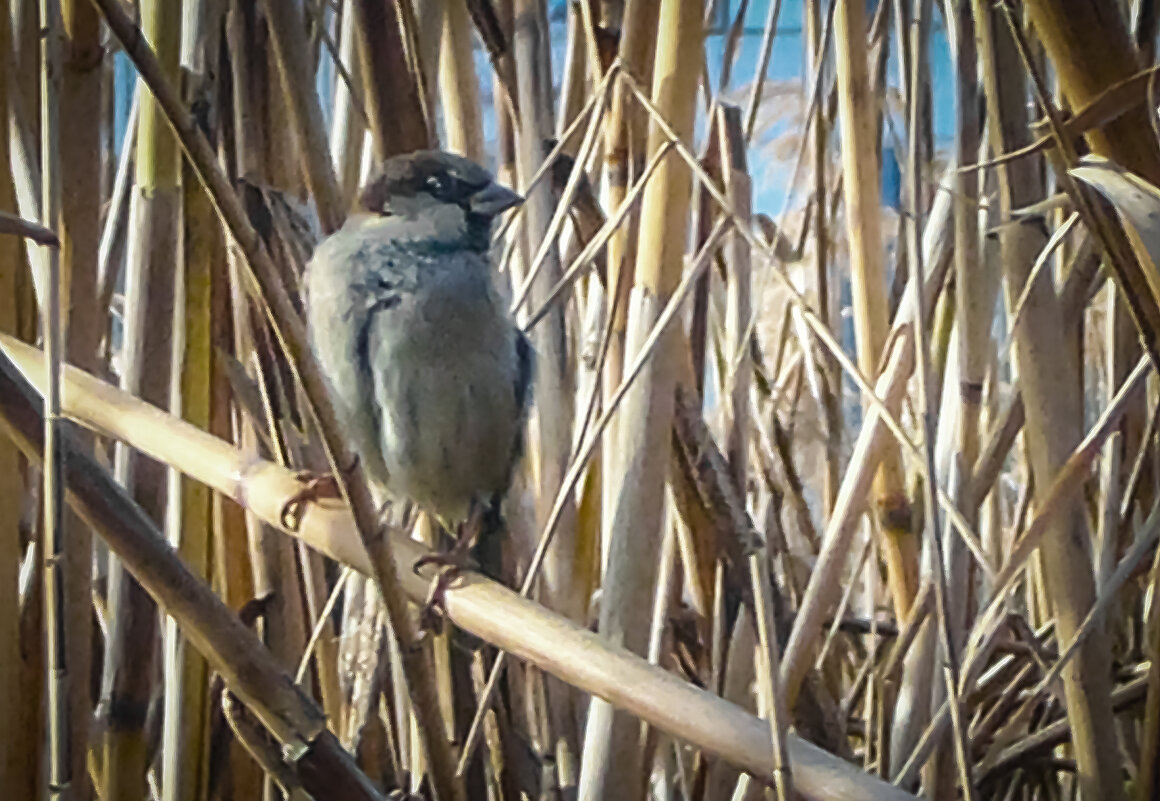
(315, 487)
(434, 608)
(451, 563)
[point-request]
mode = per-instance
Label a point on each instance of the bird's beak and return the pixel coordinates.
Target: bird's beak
(494, 199)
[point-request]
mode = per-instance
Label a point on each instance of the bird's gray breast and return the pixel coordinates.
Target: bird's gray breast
(422, 356)
(445, 364)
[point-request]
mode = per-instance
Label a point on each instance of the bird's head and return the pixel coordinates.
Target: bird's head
(436, 198)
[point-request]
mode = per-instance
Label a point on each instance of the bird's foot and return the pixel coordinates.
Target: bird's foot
(451, 564)
(434, 609)
(315, 487)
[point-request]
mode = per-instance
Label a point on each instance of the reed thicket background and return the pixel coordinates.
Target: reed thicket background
(831, 492)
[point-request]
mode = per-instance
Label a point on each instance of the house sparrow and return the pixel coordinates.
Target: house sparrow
(430, 374)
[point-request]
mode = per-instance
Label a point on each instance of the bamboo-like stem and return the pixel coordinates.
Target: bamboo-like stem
(270, 559)
(186, 676)
(184, 756)
(459, 85)
(738, 378)
(348, 117)
(23, 67)
(856, 111)
(775, 709)
(476, 604)
(14, 225)
(55, 547)
(1050, 382)
(288, 34)
(392, 95)
(110, 251)
(976, 287)
(948, 567)
(611, 756)
(80, 165)
(914, 695)
(624, 157)
(1063, 488)
(580, 62)
(768, 36)
(625, 132)
(430, 17)
(552, 423)
(949, 699)
(832, 402)
(149, 303)
(292, 339)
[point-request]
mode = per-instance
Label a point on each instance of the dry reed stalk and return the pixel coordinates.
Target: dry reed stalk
(273, 571)
(1084, 73)
(233, 575)
(735, 672)
(1049, 387)
(821, 260)
(459, 85)
(768, 36)
(914, 693)
(551, 438)
(430, 20)
(111, 251)
(474, 603)
(348, 114)
(772, 696)
(552, 419)
(19, 689)
(288, 34)
(868, 283)
(185, 769)
(80, 108)
(624, 158)
(976, 281)
(392, 99)
(611, 754)
(62, 746)
(152, 251)
(737, 377)
(818, 328)
(974, 298)
(581, 62)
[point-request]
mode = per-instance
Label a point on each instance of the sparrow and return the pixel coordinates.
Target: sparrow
(431, 376)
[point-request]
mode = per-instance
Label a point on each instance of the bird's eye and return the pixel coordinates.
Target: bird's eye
(435, 184)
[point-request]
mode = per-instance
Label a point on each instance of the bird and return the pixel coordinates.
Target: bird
(429, 372)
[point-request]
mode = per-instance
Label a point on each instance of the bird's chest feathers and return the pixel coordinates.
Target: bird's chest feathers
(453, 312)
